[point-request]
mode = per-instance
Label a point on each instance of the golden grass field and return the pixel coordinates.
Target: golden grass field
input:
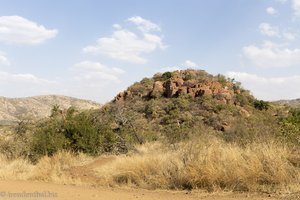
(209, 166)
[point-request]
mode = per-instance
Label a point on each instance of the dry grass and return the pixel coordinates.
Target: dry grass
(56, 168)
(18, 169)
(49, 169)
(206, 164)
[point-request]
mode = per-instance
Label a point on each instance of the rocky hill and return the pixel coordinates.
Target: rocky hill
(182, 103)
(15, 109)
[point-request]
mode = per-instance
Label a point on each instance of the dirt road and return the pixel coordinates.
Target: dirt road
(38, 190)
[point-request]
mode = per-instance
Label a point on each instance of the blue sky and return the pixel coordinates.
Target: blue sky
(93, 49)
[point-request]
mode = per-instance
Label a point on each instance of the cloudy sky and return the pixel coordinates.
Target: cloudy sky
(93, 49)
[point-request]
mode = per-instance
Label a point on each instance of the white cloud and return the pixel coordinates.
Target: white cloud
(95, 71)
(267, 29)
(186, 64)
(93, 80)
(169, 69)
(273, 88)
(117, 26)
(189, 64)
(296, 7)
(272, 55)
(271, 11)
(289, 35)
(143, 24)
(22, 78)
(17, 85)
(3, 59)
(273, 31)
(18, 30)
(126, 45)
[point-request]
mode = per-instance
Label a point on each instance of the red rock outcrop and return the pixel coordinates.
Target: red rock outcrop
(177, 86)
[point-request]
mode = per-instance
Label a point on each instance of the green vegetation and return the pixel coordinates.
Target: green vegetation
(261, 105)
(74, 131)
(290, 127)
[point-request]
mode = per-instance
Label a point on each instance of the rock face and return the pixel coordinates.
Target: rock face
(181, 84)
(15, 109)
(157, 90)
(177, 87)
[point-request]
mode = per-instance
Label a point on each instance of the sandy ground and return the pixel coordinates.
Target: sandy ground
(38, 190)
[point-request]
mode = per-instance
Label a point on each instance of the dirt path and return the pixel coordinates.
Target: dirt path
(86, 172)
(15, 190)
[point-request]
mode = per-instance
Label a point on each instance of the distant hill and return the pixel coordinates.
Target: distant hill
(37, 107)
(292, 103)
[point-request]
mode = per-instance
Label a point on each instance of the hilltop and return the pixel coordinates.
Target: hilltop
(37, 107)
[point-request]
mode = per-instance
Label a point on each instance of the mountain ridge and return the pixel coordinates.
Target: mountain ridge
(13, 110)
(291, 102)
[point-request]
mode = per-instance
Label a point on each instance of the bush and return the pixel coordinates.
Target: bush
(166, 76)
(241, 100)
(261, 105)
(72, 131)
(222, 80)
(290, 127)
(47, 141)
(16, 145)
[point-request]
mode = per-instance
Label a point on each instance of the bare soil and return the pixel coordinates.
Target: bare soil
(15, 190)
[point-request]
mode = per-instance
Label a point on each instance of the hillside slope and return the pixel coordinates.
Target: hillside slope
(293, 103)
(14, 109)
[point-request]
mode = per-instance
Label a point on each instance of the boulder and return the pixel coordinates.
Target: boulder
(158, 90)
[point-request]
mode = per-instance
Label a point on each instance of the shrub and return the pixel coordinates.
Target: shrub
(261, 105)
(166, 75)
(16, 145)
(72, 131)
(290, 127)
(47, 139)
(187, 77)
(222, 80)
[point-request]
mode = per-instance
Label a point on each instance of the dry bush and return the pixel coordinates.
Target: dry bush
(14, 146)
(56, 168)
(17, 169)
(49, 169)
(208, 164)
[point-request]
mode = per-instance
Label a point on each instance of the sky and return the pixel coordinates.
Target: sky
(94, 49)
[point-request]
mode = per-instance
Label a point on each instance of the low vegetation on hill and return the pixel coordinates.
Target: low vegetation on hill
(208, 132)
(295, 103)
